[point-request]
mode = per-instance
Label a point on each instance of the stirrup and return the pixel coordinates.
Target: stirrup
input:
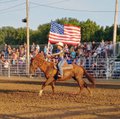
(60, 76)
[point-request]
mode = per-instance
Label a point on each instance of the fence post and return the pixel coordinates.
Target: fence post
(9, 70)
(107, 69)
(18, 71)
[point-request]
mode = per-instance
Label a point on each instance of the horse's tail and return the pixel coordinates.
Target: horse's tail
(89, 77)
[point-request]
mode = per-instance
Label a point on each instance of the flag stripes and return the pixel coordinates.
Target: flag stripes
(68, 34)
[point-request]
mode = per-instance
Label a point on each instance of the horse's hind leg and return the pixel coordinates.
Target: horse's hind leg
(82, 84)
(86, 86)
(48, 81)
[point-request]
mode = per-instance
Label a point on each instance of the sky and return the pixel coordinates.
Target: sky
(40, 12)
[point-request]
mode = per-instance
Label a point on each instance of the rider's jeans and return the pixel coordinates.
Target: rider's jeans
(60, 64)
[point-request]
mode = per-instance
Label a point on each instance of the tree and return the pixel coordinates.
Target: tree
(88, 30)
(9, 34)
(2, 36)
(99, 35)
(43, 31)
(107, 34)
(118, 33)
(69, 21)
(21, 36)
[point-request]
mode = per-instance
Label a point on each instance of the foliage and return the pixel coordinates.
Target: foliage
(90, 31)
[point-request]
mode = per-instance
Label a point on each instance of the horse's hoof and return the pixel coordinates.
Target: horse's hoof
(91, 94)
(40, 93)
(31, 77)
(74, 93)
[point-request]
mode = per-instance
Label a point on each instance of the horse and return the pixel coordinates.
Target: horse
(76, 72)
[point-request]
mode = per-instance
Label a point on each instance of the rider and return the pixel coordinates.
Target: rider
(60, 53)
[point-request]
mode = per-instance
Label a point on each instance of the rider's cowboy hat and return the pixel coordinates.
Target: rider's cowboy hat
(60, 44)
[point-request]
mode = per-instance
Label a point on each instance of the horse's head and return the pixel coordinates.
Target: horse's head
(36, 62)
(33, 66)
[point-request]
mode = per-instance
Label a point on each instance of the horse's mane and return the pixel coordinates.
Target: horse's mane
(40, 57)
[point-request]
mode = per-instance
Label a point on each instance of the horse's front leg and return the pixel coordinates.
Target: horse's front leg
(48, 81)
(53, 87)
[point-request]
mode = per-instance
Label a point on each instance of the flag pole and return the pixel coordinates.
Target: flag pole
(48, 47)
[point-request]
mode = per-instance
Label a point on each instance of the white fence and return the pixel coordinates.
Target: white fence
(101, 63)
(16, 70)
(100, 68)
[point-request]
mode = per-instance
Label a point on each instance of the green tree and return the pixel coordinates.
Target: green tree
(108, 33)
(69, 21)
(21, 36)
(118, 33)
(88, 30)
(99, 35)
(9, 34)
(43, 32)
(2, 36)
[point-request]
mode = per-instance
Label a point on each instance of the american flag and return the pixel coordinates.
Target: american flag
(68, 34)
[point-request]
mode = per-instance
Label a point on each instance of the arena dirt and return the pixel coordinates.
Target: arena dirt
(19, 100)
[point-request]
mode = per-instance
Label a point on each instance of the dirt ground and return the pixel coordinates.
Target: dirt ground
(19, 100)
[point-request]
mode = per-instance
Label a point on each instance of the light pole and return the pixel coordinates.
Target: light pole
(28, 38)
(115, 28)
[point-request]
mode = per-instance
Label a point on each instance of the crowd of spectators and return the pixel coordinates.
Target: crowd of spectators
(85, 54)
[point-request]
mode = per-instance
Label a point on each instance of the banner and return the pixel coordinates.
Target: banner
(68, 34)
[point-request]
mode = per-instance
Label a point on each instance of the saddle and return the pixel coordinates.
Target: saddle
(65, 66)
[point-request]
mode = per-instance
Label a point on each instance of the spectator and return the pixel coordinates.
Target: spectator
(45, 49)
(94, 46)
(88, 47)
(14, 58)
(110, 48)
(66, 49)
(69, 61)
(2, 59)
(37, 47)
(9, 50)
(33, 47)
(6, 51)
(6, 64)
(73, 54)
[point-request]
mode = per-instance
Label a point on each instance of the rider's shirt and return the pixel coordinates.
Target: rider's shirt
(60, 54)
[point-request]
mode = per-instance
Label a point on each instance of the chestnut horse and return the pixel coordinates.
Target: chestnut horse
(76, 72)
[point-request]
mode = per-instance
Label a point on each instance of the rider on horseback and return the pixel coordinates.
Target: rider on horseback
(60, 47)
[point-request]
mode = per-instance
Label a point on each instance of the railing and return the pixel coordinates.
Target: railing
(16, 70)
(100, 68)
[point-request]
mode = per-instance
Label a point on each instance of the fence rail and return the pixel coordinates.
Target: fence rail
(101, 68)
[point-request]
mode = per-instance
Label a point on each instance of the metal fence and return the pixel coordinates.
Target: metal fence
(18, 69)
(100, 68)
